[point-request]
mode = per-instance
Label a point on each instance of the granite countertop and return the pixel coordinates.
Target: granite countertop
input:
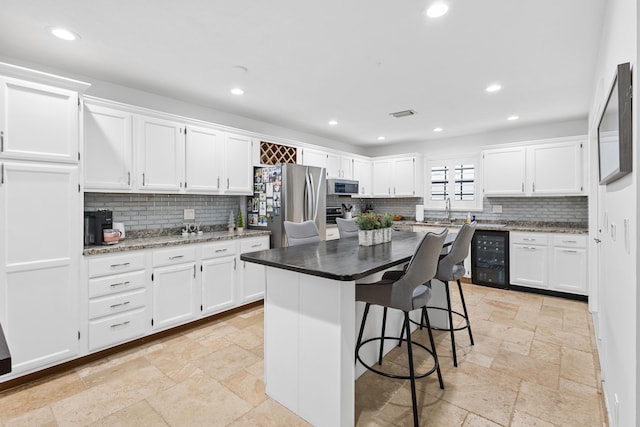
(525, 226)
(341, 259)
(133, 244)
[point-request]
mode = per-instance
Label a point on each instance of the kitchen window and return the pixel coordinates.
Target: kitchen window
(456, 179)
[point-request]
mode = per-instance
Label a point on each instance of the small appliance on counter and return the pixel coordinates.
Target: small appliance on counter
(95, 224)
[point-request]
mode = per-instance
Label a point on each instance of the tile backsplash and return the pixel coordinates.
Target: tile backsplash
(553, 209)
(141, 212)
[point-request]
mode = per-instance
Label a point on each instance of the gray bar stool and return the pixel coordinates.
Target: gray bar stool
(409, 292)
(347, 228)
(451, 268)
(299, 233)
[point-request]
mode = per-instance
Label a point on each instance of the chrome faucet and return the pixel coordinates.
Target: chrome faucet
(447, 206)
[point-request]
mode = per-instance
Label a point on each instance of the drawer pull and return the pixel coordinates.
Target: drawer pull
(176, 257)
(569, 241)
(221, 250)
(257, 245)
(527, 239)
(118, 325)
(122, 304)
(122, 265)
(570, 251)
(115, 285)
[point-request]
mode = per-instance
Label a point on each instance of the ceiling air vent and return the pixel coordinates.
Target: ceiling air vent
(404, 113)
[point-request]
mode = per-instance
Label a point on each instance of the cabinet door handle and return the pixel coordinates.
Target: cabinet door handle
(218, 182)
(117, 325)
(221, 250)
(124, 264)
(121, 304)
(115, 285)
(257, 245)
(176, 257)
(143, 180)
(227, 183)
(234, 263)
(1, 141)
(533, 187)
(522, 191)
(128, 178)
(1, 173)
(194, 271)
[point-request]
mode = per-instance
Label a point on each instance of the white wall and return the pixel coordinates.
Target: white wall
(614, 295)
(470, 144)
(127, 95)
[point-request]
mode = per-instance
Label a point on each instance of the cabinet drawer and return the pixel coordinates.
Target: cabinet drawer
(217, 250)
(332, 233)
(174, 256)
(115, 264)
(570, 240)
(528, 238)
(116, 283)
(254, 245)
(105, 306)
(116, 329)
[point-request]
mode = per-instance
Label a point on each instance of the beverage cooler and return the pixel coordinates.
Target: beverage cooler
(490, 258)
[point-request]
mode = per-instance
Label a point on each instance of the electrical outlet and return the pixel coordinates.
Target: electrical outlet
(189, 214)
(497, 208)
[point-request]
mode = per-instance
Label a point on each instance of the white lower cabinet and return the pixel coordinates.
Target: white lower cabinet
(332, 233)
(551, 261)
(174, 287)
(218, 277)
(117, 299)
(251, 276)
(528, 256)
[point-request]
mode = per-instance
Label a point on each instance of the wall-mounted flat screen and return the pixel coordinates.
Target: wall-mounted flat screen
(615, 131)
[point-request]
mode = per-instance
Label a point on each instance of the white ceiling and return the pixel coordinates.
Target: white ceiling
(308, 62)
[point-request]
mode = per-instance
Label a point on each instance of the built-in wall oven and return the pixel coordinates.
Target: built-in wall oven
(490, 258)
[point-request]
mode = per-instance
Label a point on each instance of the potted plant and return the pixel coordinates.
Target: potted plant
(374, 228)
(240, 223)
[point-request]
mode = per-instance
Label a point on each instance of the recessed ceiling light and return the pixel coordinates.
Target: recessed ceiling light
(513, 118)
(333, 122)
(237, 91)
(64, 34)
(437, 9)
(493, 88)
(381, 138)
(438, 129)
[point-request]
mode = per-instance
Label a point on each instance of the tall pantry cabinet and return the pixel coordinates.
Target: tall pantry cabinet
(40, 208)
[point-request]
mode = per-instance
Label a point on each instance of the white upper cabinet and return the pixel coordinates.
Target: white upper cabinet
(504, 171)
(160, 146)
(38, 122)
(339, 166)
(397, 177)
(362, 174)
(204, 155)
(238, 166)
(550, 168)
(314, 158)
(108, 148)
(556, 169)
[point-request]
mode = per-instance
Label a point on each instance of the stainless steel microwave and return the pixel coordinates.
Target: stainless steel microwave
(342, 186)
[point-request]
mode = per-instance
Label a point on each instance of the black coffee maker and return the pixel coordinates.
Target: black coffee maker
(95, 222)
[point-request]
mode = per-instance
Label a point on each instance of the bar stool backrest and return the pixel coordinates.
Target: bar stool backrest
(299, 233)
(451, 266)
(347, 227)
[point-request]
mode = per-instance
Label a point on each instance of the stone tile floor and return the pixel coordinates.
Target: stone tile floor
(534, 363)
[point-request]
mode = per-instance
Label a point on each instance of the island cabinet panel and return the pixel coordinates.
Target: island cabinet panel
(38, 122)
(108, 148)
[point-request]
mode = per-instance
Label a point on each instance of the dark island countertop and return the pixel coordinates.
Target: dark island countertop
(341, 259)
(5, 356)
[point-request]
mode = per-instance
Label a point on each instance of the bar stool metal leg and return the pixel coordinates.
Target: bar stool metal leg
(466, 315)
(412, 374)
(453, 337)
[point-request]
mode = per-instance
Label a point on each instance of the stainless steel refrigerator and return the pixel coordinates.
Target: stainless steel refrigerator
(287, 192)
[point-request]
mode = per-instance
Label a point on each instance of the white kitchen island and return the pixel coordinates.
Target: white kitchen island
(311, 319)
